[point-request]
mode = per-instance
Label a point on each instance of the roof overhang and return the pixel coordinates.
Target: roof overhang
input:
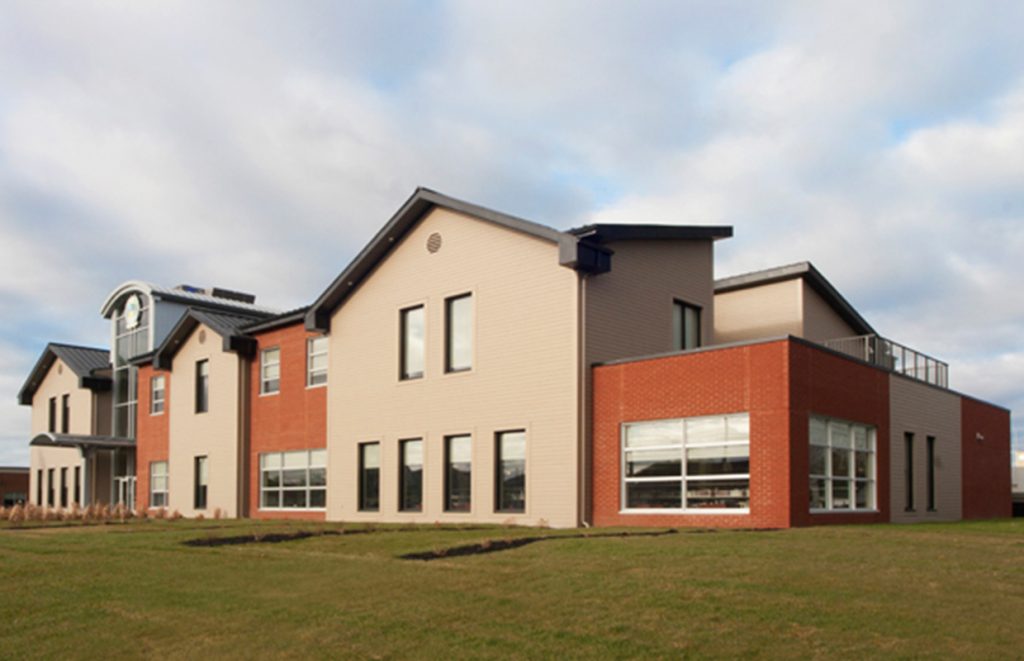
(814, 279)
(610, 232)
(81, 441)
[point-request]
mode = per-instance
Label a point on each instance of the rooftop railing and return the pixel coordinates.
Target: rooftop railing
(893, 356)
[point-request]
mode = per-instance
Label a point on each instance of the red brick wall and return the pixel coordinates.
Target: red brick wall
(750, 378)
(831, 385)
(293, 419)
(780, 383)
(151, 432)
(986, 463)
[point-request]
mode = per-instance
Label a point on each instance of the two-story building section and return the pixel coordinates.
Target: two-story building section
(471, 366)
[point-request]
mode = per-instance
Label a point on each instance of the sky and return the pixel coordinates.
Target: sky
(258, 146)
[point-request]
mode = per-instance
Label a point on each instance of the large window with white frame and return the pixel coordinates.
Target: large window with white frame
(699, 464)
(316, 362)
(293, 480)
(270, 371)
(842, 465)
(158, 484)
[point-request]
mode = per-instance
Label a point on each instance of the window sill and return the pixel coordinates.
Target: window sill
(291, 509)
(270, 394)
(153, 415)
(315, 386)
(844, 511)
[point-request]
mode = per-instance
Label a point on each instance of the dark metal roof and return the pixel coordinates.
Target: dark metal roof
(14, 469)
(812, 277)
(228, 326)
(295, 316)
(607, 232)
(81, 441)
(226, 301)
(85, 362)
(417, 206)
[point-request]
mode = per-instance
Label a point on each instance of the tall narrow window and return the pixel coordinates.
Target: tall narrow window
(158, 484)
(510, 469)
(200, 483)
(369, 477)
(202, 386)
(685, 326)
(78, 485)
(410, 487)
(411, 350)
(64, 487)
(158, 388)
(908, 453)
(931, 473)
(458, 343)
(316, 361)
(458, 474)
(50, 486)
(65, 414)
(270, 371)
(39, 487)
(52, 426)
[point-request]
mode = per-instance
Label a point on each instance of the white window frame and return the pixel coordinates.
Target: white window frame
(315, 459)
(310, 354)
(264, 365)
(683, 478)
(153, 491)
(871, 481)
(154, 401)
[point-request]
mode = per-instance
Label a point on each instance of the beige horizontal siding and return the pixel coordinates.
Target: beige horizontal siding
(759, 312)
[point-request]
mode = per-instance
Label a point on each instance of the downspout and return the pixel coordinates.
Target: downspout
(583, 399)
(244, 401)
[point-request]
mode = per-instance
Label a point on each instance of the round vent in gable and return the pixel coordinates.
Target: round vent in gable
(433, 242)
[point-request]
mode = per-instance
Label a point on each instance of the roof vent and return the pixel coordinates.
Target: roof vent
(231, 295)
(191, 289)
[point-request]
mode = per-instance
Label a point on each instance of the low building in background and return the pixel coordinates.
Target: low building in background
(470, 366)
(13, 486)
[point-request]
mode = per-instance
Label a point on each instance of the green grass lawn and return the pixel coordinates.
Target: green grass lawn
(135, 590)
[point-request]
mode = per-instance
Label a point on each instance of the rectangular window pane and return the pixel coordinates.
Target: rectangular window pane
(718, 460)
(705, 430)
(318, 498)
(718, 494)
(369, 476)
(271, 499)
(841, 494)
(862, 465)
(511, 471)
(908, 458)
(819, 493)
(202, 386)
(930, 467)
(819, 432)
(654, 463)
(459, 333)
(841, 465)
(654, 495)
(316, 361)
(819, 460)
(411, 476)
(412, 342)
(654, 433)
(458, 473)
(200, 477)
(270, 371)
(294, 499)
(685, 326)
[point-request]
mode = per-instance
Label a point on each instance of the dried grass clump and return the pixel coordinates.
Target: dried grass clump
(200, 517)
(16, 514)
(218, 514)
(161, 513)
(176, 515)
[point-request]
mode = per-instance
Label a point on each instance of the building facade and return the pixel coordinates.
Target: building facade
(470, 366)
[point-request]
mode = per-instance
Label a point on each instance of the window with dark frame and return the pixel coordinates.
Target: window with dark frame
(64, 486)
(412, 343)
(458, 333)
(50, 486)
(908, 453)
(931, 472)
(65, 414)
(458, 473)
(510, 471)
(78, 485)
(201, 474)
(39, 487)
(410, 477)
(52, 426)
(202, 386)
(369, 477)
(685, 326)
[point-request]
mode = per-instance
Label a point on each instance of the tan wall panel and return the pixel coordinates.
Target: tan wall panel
(45, 458)
(629, 309)
(60, 380)
(213, 434)
(524, 371)
(759, 312)
(925, 411)
(821, 321)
